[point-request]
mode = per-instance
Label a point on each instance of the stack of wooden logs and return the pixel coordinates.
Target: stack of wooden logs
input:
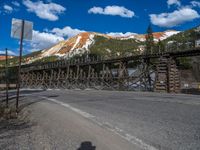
(161, 75)
(173, 76)
(167, 76)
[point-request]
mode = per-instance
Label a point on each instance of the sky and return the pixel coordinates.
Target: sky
(57, 20)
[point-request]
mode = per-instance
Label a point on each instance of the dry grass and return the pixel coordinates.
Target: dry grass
(7, 113)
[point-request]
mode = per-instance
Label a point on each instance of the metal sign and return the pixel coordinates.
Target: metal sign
(16, 29)
(22, 30)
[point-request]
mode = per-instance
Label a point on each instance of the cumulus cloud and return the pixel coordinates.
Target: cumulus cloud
(9, 53)
(195, 4)
(8, 9)
(173, 2)
(120, 34)
(175, 18)
(48, 11)
(48, 38)
(16, 3)
(66, 31)
(112, 10)
(42, 40)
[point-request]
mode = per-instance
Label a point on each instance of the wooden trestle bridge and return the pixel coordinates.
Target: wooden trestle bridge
(154, 72)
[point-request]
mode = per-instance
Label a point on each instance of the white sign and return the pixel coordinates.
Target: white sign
(162, 82)
(17, 29)
(186, 85)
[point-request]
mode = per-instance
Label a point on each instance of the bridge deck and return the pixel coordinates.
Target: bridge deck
(42, 66)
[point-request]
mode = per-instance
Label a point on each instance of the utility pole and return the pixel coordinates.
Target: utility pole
(7, 84)
(19, 68)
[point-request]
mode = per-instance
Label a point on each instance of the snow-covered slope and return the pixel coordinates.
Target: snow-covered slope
(157, 36)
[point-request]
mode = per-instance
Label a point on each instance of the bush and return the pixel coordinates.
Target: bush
(7, 113)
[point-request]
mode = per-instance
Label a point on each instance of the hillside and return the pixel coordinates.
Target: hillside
(184, 38)
(3, 57)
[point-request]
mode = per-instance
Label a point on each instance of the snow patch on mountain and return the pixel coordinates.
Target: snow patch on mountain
(80, 48)
(141, 37)
(167, 34)
(89, 42)
(77, 41)
(53, 50)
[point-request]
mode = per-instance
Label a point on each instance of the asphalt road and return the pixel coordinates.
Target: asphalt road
(111, 120)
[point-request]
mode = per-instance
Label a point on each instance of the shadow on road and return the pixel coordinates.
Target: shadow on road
(191, 91)
(87, 145)
(52, 96)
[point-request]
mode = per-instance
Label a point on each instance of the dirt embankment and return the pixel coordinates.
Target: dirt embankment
(190, 78)
(189, 82)
(196, 68)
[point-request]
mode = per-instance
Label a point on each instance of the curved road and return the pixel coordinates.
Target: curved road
(109, 120)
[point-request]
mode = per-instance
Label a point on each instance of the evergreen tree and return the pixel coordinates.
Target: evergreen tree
(161, 46)
(149, 40)
(194, 35)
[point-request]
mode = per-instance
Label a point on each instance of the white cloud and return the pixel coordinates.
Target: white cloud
(16, 3)
(173, 2)
(120, 34)
(42, 40)
(48, 11)
(174, 18)
(112, 10)
(8, 9)
(48, 38)
(66, 31)
(9, 53)
(96, 10)
(195, 4)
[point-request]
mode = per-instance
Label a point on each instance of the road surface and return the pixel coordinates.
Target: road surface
(108, 120)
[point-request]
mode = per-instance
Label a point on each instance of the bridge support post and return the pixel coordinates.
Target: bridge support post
(145, 77)
(122, 76)
(167, 76)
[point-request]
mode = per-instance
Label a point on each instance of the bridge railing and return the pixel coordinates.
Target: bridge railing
(93, 60)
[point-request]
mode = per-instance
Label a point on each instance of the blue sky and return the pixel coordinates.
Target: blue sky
(56, 20)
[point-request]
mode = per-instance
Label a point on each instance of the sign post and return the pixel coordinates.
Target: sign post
(22, 30)
(7, 78)
(19, 67)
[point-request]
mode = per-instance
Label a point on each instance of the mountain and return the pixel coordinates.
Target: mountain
(84, 41)
(96, 43)
(184, 37)
(3, 57)
(157, 35)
